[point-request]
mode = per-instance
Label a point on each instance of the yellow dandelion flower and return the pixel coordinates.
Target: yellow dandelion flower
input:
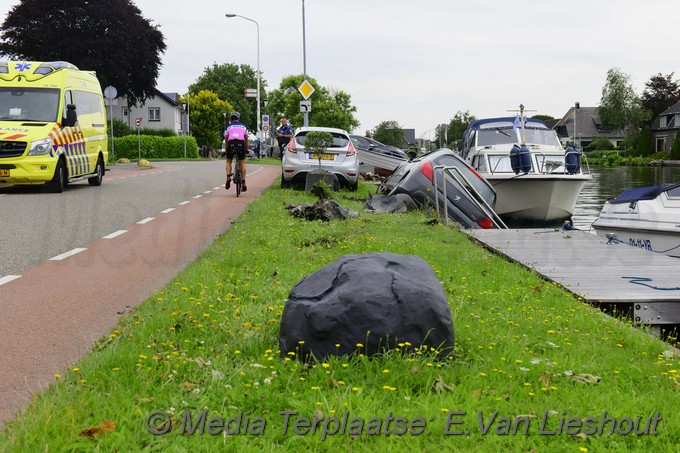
(57, 376)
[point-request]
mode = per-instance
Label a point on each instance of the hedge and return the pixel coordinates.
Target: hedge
(154, 147)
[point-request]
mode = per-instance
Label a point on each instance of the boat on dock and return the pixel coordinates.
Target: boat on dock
(383, 158)
(644, 217)
(537, 180)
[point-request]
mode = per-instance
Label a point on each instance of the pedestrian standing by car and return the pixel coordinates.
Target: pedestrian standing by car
(283, 135)
(236, 141)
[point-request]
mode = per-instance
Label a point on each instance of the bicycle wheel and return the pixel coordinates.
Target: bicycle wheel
(237, 177)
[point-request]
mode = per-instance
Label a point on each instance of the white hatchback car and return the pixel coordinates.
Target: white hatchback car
(340, 158)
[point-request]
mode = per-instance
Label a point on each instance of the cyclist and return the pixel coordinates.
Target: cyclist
(236, 140)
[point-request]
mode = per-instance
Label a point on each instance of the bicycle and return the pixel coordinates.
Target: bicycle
(237, 174)
(236, 166)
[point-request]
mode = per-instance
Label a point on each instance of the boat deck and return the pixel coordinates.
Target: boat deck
(598, 272)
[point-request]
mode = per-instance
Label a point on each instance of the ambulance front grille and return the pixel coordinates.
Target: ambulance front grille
(12, 149)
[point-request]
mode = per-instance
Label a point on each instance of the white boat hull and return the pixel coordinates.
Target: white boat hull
(536, 198)
(652, 225)
(379, 160)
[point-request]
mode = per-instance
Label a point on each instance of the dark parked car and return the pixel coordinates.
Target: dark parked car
(416, 179)
(368, 144)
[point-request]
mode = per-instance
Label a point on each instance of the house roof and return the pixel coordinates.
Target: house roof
(670, 111)
(588, 124)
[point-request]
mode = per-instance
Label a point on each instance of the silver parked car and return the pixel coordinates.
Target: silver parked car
(340, 158)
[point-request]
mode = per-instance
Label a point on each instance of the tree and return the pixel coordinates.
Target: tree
(675, 148)
(229, 81)
(93, 36)
(620, 107)
(456, 127)
(207, 118)
(329, 108)
(318, 142)
(390, 133)
(660, 93)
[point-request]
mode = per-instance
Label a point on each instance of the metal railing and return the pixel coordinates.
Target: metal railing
(473, 194)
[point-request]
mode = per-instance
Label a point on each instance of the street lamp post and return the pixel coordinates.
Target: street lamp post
(304, 61)
(258, 66)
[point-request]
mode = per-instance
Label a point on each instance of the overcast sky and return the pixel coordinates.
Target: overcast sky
(419, 62)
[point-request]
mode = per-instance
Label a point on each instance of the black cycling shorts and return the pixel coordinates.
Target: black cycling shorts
(236, 147)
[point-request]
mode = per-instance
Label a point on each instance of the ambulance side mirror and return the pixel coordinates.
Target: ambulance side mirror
(71, 116)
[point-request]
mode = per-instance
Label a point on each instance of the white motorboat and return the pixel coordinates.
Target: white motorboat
(646, 217)
(379, 159)
(537, 181)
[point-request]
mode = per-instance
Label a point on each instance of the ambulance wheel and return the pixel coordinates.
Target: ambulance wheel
(99, 171)
(58, 181)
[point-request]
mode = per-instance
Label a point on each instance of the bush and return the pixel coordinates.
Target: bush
(155, 147)
(644, 143)
(675, 149)
(158, 132)
(120, 129)
(601, 143)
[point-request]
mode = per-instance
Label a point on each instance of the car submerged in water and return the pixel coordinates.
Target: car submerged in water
(470, 199)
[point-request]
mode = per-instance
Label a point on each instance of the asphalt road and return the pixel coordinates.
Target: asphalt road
(73, 263)
(36, 226)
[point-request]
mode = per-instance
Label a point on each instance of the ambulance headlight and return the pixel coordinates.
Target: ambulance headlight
(40, 147)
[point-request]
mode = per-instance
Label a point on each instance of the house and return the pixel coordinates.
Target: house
(665, 127)
(161, 111)
(588, 128)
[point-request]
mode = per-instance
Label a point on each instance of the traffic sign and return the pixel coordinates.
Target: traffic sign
(250, 92)
(138, 122)
(306, 89)
(265, 128)
(110, 92)
(305, 106)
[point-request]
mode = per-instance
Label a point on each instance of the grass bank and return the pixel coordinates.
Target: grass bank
(534, 368)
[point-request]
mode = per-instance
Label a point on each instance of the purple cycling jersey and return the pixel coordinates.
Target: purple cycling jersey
(236, 131)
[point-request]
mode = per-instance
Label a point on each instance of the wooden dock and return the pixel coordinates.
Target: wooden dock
(599, 272)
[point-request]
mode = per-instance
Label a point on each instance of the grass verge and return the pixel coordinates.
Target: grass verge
(534, 368)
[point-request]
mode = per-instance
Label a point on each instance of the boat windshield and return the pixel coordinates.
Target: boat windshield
(29, 104)
(496, 136)
(541, 137)
(507, 136)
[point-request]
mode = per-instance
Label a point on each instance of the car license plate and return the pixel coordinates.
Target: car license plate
(324, 156)
(4, 173)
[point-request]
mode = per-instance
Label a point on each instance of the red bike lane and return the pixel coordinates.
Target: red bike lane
(55, 311)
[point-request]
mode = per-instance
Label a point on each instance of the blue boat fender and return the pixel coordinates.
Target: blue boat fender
(572, 160)
(520, 159)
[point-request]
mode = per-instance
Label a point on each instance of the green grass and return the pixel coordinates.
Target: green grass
(525, 349)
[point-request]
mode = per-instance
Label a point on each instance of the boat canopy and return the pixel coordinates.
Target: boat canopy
(642, 193)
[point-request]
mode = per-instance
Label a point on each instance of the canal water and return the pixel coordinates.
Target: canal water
(609, 182)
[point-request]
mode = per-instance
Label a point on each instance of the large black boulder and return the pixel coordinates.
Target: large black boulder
(379, 301)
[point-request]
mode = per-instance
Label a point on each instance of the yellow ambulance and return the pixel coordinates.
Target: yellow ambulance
(52, 125)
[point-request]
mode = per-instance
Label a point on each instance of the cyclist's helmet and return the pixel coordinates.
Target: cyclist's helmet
(235, 116)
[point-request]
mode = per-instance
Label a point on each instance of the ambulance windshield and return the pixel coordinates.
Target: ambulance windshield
(29, 104)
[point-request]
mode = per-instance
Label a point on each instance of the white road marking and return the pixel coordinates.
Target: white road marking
(166, 211)
(197, 196)
(8, 278)
(185, 203)
(147, 220)
(115, 234)
(67, 254)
